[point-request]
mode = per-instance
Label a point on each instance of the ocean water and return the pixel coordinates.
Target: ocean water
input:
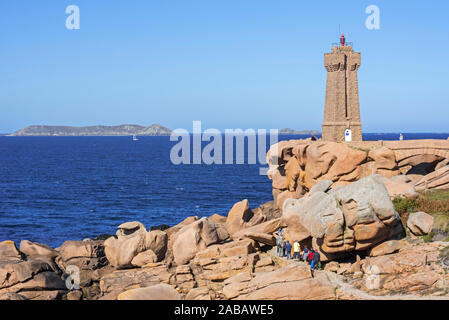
(54, 189)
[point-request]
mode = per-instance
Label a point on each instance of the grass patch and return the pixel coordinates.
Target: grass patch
(429, 237)
(434, 202)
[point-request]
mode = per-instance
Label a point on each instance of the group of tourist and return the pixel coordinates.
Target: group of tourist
(284, 249)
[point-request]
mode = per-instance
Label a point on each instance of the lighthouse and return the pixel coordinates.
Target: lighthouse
(341, 107)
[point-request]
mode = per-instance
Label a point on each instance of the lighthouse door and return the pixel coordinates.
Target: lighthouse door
(348, 135)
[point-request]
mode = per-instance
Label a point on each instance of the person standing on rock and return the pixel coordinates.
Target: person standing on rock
(283, 247)
(315, 260)
(310, 256)
(281, 231)
(305, 254)
(279, 245)
(288, 247)
(296, 250)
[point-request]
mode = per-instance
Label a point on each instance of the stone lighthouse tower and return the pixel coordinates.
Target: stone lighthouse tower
(341, 108)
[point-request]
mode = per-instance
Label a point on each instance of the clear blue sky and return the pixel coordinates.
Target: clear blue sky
(245, 63)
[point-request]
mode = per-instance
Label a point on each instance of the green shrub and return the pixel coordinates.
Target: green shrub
(434, 202)
(428, 237)
(404, 205)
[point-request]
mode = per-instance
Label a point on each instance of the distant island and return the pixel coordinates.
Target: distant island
(303, 132)
(121, 130)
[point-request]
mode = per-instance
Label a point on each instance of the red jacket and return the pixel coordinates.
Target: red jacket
(310, 256)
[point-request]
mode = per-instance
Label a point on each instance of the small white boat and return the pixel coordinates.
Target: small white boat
(135, 138)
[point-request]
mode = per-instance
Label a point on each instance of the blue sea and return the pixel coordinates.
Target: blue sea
(54, 189)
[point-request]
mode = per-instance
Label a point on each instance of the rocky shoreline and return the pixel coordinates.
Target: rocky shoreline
(367, 250)
(221, 257)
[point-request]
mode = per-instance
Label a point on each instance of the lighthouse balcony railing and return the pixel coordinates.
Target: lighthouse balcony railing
(337, 44)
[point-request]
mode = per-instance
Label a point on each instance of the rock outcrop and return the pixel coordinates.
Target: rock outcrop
(414, 269)
(303, 163)
(439, 179)
(35, 278)
(116, 282)
(420, 223)
(387, 247)
(87, 255)
(353, 218)
(131, 240)
(195, 237)
(237, 268)
(295, 281)
(295, 166)
(34, 249)
(397, 188)
(9, 252)
(156, 292)
(241, 217)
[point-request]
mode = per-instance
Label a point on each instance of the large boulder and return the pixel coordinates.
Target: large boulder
(173, 230)
(397, 188)
(9, 251)
(195, 237)
(240, 217)
(264, 238)
(85, 258)
(387, 247)
(112, 284)
(156, 241)
(129, 242)
(34, 249)
(415, 269)
(322, 186)
(384, 161)
(219, 262)
(132, 239)
(32, 279)
(279, 180)
(86, 255)
(329, 160)
(144, 258)
(292, 219)
(268, 210)
(156, 292)
(354, 217)
(216, 218)
(368, 211)
(420, 223)
(294, 281)
(284, 195)
(172, 234)
(12, 296)
(130, 228)
(268, 227)
(439, 179)
(442, 163)
(292, 172)
(296, 166)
